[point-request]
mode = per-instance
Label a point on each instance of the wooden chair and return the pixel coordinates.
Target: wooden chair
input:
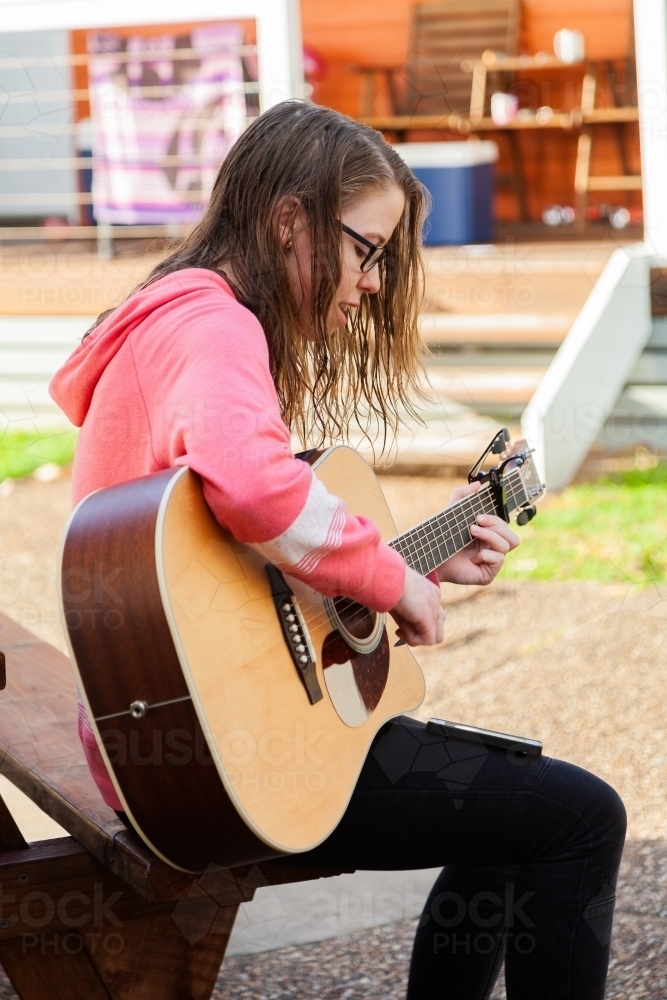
(444, 35)
(433, 90)
(97, 916)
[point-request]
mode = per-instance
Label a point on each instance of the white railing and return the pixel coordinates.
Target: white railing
(47, 158)
(162, 117)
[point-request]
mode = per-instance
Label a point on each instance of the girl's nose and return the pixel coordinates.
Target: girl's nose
(369, 281)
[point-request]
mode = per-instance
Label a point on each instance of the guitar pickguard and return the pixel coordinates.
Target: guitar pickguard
(355, 681)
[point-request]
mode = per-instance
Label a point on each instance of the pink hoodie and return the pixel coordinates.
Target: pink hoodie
(179, 375)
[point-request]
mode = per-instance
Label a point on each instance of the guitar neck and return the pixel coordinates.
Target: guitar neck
(431, 543)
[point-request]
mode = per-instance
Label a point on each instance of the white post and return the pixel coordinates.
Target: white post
(580, 388)
(279, 52)
(651, 47)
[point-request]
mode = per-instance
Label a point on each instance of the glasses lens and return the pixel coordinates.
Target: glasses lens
(373, 258)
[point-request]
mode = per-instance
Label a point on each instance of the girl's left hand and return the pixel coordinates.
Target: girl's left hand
(480, 562)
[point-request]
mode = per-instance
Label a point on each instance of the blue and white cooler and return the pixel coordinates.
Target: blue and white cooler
(459, 178)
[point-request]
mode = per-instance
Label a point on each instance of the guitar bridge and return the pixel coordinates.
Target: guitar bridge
(295, 632)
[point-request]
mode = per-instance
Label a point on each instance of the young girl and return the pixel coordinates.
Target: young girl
(293, 307)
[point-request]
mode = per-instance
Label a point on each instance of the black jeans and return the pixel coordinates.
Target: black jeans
(531, 853)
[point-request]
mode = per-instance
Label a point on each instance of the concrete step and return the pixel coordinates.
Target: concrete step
(524, 330)
(495, 316)
(32, 348)
(485, 388)
(651, 368)
(639, 418)
(449, 434)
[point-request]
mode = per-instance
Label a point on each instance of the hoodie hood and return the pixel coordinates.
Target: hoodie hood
(73, 385)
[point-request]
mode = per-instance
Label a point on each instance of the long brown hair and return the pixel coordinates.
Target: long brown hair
(367, 371)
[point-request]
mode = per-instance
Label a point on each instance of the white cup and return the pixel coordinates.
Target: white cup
(504, 108)
(569, 46)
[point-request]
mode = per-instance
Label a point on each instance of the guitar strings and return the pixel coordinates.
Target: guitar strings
(429, 538)
(424, 534)
(476, 504)
(424, 544)
(415, 550)
(448, 512)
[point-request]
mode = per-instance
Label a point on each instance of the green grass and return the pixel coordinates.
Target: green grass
(612, 530)
(21, 452)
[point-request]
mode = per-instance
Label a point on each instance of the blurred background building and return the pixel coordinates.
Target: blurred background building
(527, 114)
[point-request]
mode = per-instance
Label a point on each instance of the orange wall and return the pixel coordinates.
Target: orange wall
(377, 32)
(606, 25)
(379, 29)
(346, 32)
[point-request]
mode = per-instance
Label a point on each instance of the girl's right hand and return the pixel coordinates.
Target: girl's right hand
(418, 613)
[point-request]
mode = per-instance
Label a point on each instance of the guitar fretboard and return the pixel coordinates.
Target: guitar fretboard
(430, 543)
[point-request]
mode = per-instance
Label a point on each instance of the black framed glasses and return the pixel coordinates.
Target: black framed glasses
(375, 253)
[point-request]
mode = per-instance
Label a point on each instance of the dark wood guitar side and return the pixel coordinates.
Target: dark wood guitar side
(163, 761)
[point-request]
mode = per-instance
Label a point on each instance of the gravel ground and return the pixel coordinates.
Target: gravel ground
(580, 666)
(32, 517)
(375, 963)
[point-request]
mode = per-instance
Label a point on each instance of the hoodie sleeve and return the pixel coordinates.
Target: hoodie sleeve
(211, 404)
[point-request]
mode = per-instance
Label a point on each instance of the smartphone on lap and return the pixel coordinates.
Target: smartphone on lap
(504, 741)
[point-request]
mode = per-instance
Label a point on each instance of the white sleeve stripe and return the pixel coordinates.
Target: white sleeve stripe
(315, 531)
(333, 541)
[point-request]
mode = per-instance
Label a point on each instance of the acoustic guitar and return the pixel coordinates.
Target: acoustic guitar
(234, 706)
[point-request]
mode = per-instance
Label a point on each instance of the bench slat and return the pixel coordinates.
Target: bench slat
(39, 748)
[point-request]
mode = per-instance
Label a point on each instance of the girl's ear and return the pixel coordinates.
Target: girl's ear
(287, 218)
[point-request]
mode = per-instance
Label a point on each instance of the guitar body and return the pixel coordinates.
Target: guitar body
(226, 757)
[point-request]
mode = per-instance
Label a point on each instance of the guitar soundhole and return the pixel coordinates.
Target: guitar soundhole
(356, 620)
(360, 627)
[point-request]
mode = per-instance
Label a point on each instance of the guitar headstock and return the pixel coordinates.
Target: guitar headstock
(515, 482)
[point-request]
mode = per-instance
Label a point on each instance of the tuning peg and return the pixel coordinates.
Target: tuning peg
(526, 515)
(500, 442)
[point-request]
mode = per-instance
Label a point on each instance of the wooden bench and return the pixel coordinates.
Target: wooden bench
(97, 916)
